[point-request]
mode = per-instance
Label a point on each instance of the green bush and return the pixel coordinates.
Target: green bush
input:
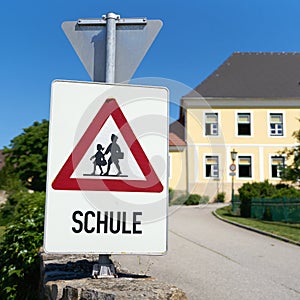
(171, 194)
(180, 200)
(204, 199)
(9, 181)
(6, 213)
(190, 199)
(286, 192)
(193, 199)
(280, 186)
(19, 263)
(2, 229)
(254, 190)
(264, 190)
(8, 209)
(220, 197)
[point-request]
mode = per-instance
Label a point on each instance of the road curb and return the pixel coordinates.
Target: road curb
(256, 230)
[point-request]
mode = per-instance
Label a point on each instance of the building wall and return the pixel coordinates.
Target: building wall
(177, 179)
(259, 146)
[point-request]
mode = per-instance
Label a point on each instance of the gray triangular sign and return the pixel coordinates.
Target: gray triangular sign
(132, 43)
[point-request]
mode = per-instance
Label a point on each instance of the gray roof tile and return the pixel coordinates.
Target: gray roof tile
(254, 75)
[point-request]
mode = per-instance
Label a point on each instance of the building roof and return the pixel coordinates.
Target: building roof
(176, 134)
(175, 140)
(253, 75)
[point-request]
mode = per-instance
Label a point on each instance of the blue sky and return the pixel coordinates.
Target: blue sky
(197, 36)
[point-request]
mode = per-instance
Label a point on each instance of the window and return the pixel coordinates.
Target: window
(277, 163)
(211, 124)
(276, 124)
(245, 166)
(212, 166)
(244, 124)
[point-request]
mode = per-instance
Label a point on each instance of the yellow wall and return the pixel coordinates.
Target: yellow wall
(260, 146)
(177, 179)
(195, 125)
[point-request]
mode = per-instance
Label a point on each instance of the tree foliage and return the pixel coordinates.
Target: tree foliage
(9, 180)
(26, 157)
(23, 213)
(19, 263)
(291, 172)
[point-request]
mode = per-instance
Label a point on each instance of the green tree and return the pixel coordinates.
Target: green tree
(19, 261)
(9, 181)
(27, 156)
(291, 172)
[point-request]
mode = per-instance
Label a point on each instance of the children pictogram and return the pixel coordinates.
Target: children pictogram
(99, 160)
(112, 158)
(115, 155)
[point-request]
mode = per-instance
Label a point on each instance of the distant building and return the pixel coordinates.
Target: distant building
(177, 148)
(251, 104)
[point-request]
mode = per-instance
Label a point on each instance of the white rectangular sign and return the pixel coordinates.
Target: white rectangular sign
(107, 181)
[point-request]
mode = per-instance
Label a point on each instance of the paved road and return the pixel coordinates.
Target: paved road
(210, 259)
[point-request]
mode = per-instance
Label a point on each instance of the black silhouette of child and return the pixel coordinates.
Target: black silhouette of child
(99, 159)
(115, 154)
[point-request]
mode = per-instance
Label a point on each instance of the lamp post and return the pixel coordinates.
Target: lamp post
(233, 154)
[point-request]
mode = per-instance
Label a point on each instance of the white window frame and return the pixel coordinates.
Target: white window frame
(204, 164)
(251, 123)
(270, 164)
(252, 165)
(218, 123)
(283, 123)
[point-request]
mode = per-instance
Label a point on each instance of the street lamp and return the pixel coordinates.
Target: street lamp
(233, 154)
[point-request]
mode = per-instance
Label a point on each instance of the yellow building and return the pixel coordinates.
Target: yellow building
(250, 104)
(178, 158)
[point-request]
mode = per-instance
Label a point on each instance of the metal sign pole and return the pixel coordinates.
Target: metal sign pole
(105, 267)
(110, 47)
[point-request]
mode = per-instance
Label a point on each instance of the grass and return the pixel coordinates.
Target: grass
(2, 228)
(286, 230)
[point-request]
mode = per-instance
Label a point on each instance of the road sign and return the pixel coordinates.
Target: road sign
(150, 182)
(232, 173)
(133, 39)
(107, 185)
(232, 167)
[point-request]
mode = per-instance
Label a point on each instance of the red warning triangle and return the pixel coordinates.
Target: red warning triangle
(63, 180)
